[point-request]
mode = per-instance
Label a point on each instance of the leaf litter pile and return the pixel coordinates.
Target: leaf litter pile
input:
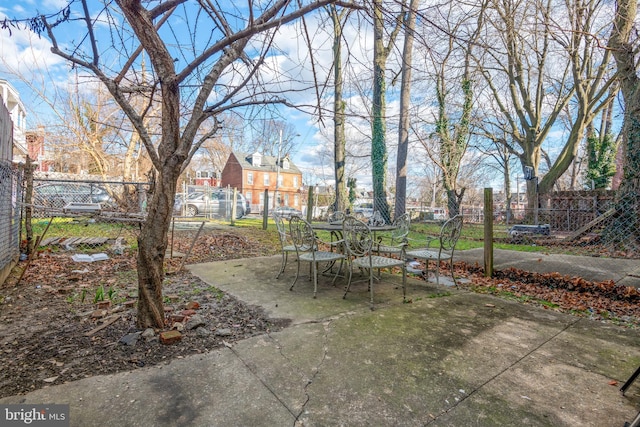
(597, 300)
(67, 320)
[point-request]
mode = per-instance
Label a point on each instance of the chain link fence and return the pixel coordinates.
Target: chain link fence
(92, 217)
(10, 184)
(87, 219)
(207, 202)
(595, 223)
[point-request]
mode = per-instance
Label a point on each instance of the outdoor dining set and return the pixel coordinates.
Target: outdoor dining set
(367, 247)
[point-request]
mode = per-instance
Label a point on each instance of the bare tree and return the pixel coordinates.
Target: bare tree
(339, 117)
(183, 80)
(535, 66)
(446, 137)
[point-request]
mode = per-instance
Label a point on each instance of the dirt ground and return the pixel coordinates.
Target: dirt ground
(67, 320)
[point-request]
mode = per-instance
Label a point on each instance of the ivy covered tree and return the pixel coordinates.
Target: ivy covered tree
(624, 230)
(601, 152)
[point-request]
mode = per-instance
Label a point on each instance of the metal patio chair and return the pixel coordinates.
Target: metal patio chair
(393, 243)
(307, 247)
(336, 217)
(286, 245)
(449, 234)
(358, 243)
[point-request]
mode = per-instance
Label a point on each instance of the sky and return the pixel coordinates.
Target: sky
(25, 56)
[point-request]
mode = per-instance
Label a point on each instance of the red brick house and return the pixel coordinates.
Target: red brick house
(210, 178)
(251, 174)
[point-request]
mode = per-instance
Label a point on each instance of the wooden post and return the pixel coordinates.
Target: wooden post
(265, 210)
(234, 206)
(488, 232)
(310, 204)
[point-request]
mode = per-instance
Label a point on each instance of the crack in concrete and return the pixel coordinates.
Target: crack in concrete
(316, 370)
(529, 353)
(255, 374)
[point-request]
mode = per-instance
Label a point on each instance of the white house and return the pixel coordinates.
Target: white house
(11, 100)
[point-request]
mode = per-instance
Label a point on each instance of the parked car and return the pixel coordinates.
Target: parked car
(363, 210)
(287, 211)
(59, 195)
(216, 203)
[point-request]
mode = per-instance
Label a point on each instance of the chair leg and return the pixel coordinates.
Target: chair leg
(297, 274)
(371, 287)
(314, 267)
(285, 257)
(425, 273)
(348, 282)
(404, 283)
(333, 282)
(438, 272)
(453, 274)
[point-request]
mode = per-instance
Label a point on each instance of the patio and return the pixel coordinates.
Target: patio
(447, 358)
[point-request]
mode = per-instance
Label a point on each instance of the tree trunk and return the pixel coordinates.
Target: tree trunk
(454, 200)
(624, 230)
(379, 125)
(152, 246)
(405, 103)
(339, 141)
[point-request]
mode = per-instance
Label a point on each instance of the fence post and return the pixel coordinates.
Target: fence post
(310, 204)
(265, 210)
(28, 192)
(234, 206)
(488, 232)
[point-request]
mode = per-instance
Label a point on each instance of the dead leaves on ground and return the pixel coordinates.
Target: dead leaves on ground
(600, 300)
(215, 247)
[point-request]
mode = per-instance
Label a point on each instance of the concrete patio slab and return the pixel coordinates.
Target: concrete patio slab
(446, 357)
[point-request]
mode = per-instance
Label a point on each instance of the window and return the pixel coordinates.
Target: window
(205, 174)
(261, 200)
(286, 199)
(280, 180)
(266, 179)
(296, 200)
(249, 196)
(250, 178)
(295, 182)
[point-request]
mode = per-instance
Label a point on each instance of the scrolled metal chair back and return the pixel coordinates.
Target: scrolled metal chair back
(402, 224)
(302, 234)
(357, 237)
(450, 233)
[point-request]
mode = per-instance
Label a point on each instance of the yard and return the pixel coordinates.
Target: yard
(65, 320)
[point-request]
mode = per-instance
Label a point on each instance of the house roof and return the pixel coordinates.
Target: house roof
(268, 163)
